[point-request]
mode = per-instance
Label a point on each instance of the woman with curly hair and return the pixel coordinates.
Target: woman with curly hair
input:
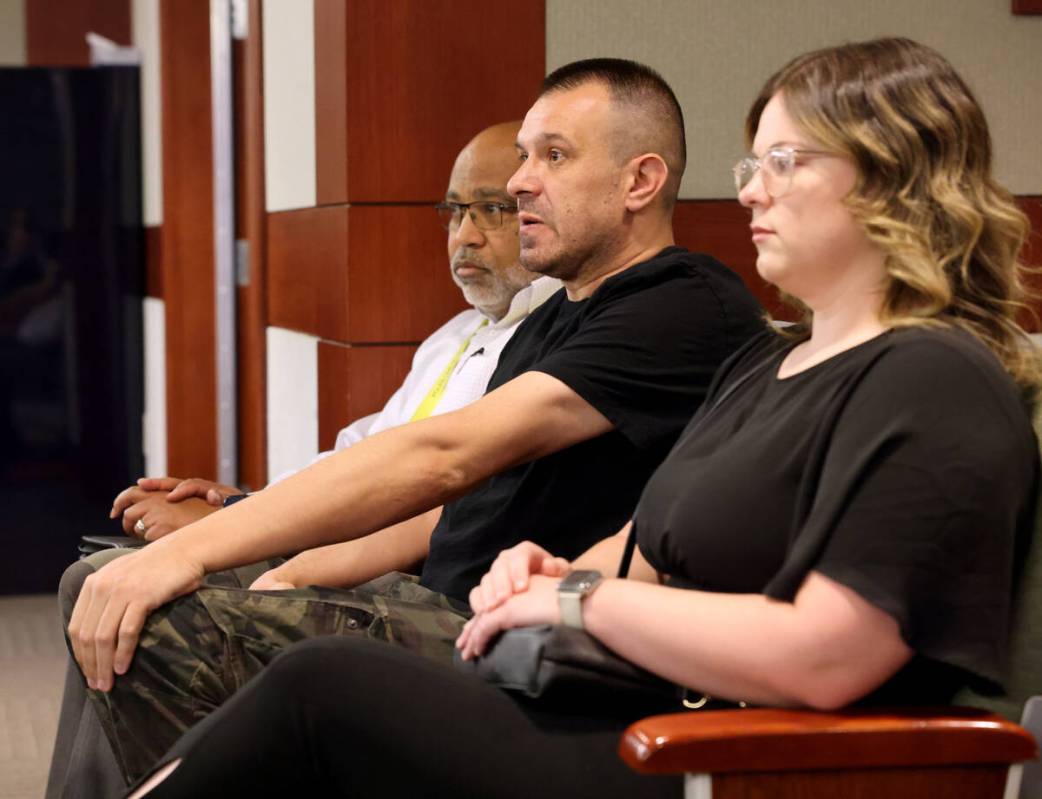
(842, 522)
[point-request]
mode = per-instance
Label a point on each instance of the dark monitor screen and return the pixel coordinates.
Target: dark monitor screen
(71, 287)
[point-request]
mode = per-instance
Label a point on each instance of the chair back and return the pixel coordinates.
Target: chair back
(1024, 670)
(1023, 698)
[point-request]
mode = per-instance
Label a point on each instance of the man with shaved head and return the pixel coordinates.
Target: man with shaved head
(588, 397)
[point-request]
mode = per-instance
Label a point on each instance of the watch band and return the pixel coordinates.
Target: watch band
(571, 591)
(571, 610)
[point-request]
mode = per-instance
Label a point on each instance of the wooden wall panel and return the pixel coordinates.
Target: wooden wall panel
(422, 79)
(187, 241)
(400, 285)
(330, 102)
(1032, 206)
(1027, 6)
(250, 227)
(356, 381)
(721, 229)
(360, 274)
(55, 29)
(154, 261)
(307, 271)
(1032, 256)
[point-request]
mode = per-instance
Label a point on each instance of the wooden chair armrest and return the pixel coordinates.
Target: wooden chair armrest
(760, 740)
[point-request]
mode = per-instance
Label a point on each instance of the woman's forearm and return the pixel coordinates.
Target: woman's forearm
(826, 649)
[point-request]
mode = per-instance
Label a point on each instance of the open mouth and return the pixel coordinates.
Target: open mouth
(527, 220)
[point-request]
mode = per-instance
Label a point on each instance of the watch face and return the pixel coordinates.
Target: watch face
(580, 581)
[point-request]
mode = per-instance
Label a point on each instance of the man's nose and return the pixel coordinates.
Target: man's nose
(522, 181)
(469, 233)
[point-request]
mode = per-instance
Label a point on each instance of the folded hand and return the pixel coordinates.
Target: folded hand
(510, 574)
(537, 605)
(152, 517)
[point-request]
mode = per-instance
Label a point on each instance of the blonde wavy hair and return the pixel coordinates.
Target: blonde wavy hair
(925, 194)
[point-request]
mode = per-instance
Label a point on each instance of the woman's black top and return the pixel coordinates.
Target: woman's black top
(904, 468)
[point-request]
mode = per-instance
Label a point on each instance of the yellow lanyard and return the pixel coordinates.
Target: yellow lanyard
(430, 402)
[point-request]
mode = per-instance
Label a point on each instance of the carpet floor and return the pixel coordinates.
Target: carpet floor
(32, 667)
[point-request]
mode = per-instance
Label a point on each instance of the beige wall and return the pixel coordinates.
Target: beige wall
(289, 104)
(12, 33)
(144, 15)
(717, 53)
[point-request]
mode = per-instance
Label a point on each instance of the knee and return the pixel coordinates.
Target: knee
(72, 580)
(70, 586)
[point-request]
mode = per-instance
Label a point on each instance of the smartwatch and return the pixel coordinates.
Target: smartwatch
(571, 591)
(231, 499)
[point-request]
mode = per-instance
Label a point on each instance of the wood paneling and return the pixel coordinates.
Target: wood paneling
(360, 274)
(250, 227)
(721, 229)
(1027, 6)
(154, 261)
(55, 29)
(356, 381)
(421, 80)
(1032, 206)
(187, 241)
(398, 271)
(330, 102)
(307, 271)
(1032, 256)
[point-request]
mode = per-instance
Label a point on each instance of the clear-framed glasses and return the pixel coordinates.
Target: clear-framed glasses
(485, 214)
(778, 165)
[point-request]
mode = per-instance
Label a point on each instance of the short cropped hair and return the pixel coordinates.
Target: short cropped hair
(642, 89)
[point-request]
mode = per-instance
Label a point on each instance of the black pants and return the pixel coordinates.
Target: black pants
(352, 717)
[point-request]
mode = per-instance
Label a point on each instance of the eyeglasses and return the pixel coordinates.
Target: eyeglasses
(778, 165)
(484, 214)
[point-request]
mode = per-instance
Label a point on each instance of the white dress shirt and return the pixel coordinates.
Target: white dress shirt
(469, 377)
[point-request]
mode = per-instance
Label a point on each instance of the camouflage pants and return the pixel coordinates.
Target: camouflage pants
(197, 651)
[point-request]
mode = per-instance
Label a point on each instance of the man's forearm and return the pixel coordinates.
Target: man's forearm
(397, 548)
(392, 476)
(334, 500)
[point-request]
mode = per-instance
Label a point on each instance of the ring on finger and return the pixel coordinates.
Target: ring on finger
(139, 527)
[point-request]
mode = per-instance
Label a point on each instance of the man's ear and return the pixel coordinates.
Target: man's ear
(648, 176)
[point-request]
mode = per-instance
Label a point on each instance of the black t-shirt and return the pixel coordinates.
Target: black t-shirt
(904, 468)
(642, 350)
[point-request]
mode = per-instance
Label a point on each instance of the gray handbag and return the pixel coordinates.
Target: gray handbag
(553, 659)
(549, 658)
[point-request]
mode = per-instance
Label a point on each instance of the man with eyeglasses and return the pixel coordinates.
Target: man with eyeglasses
(451, 367)
(449, 370)
(588, 397)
